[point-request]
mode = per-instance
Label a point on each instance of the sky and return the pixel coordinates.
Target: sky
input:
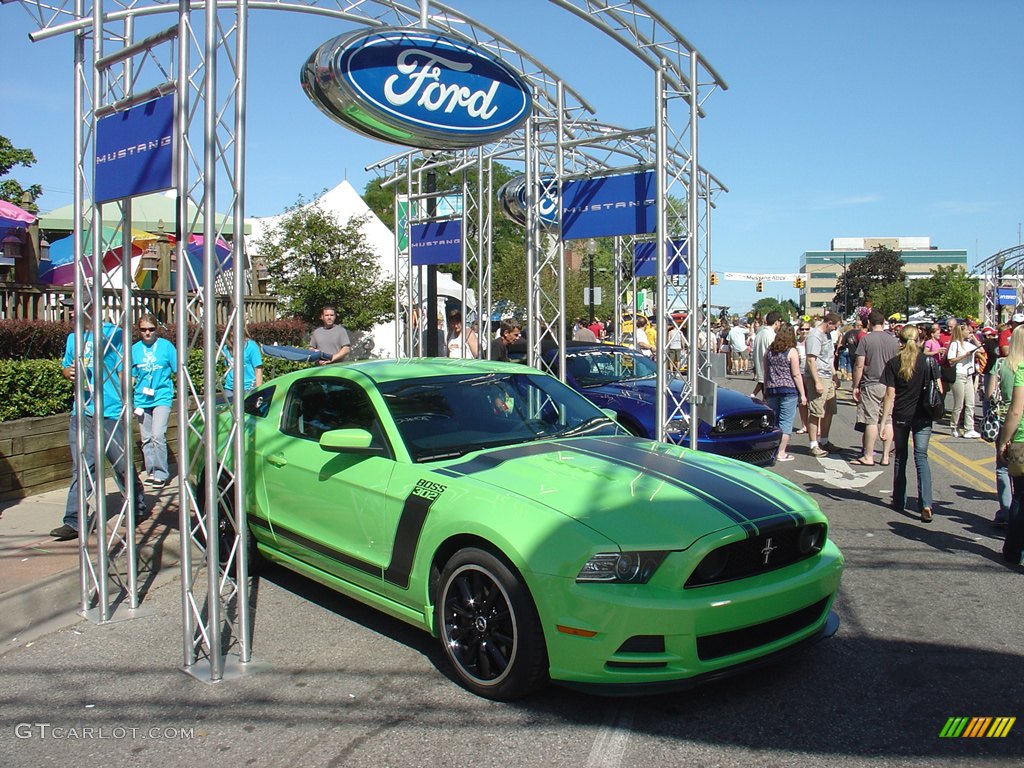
(876, 118)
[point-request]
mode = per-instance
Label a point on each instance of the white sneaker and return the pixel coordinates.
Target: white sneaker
(972, 435)
(956, 433)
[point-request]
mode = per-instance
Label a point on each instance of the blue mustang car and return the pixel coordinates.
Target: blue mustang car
(623, 380)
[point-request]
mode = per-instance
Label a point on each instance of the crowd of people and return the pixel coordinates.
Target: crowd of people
(900, 377)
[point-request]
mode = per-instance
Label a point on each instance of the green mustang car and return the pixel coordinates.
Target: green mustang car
(504, 513)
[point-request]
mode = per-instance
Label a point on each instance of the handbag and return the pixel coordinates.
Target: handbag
(1015, 458)
(933, 401)
(991, 425)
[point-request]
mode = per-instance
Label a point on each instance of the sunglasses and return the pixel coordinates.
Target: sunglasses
(146, 330)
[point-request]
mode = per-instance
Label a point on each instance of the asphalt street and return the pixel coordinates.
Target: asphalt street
(931, 629)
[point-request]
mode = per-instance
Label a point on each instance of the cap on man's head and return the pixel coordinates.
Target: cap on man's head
(1017, 318)
(988, 330)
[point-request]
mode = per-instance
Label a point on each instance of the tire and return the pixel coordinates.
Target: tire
(488, 627)
(226, 528)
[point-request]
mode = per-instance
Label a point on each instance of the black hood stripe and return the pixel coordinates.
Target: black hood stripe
(746, 500)
(666, 471)
(494, 459)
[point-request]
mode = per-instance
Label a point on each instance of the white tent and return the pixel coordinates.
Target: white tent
(345, 203)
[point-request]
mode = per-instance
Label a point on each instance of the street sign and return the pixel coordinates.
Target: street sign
(1006, 297)
(597, 295)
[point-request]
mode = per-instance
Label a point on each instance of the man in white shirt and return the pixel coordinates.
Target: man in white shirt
(762, 340)
(739, 359)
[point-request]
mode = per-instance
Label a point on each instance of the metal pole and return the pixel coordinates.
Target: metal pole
(210, 342)
(661, 233)
(693, 271)
(240, 272)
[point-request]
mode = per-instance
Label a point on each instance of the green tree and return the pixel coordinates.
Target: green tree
(950, 290)
(787, 309)
(890, 299)
(313, 260)
(882, 266)
(11, 190)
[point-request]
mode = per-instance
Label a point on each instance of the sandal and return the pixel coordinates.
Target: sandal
(801, 431)
(926, 515)
(859, 461)
(787, 457)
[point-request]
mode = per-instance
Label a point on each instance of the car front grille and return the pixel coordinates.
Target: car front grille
(768, 551)
(760, 458)
(743, 424)
(738, 640)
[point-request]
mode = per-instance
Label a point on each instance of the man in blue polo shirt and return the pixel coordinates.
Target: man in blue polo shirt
(113, 427)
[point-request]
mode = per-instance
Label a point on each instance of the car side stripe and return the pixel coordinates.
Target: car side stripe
(746, 500)
(407, 536)
(329, 552)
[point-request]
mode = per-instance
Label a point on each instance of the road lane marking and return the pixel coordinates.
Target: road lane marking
(610, 744)
(840, 474)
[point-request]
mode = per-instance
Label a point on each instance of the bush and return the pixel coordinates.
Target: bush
(33, 339)
(38, 387)
(33, 388)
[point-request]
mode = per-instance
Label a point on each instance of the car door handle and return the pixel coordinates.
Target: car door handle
(277, 460)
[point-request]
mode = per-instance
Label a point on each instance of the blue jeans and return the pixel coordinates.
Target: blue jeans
(785, 409)
(921, 431)
(1004, 492)
(153, 430)
(114, 437)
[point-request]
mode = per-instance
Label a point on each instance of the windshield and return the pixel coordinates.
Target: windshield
(594, 367)
(447, 416)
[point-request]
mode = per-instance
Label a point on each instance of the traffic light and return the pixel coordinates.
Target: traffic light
(714, 278)
(799, 283)
(760, 287)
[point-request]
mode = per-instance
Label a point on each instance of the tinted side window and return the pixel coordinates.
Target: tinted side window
(315, 406)
(258, 403)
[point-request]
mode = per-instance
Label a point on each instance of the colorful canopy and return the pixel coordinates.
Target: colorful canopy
(13, 216)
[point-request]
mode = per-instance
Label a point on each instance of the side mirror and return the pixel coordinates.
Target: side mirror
(347, 441)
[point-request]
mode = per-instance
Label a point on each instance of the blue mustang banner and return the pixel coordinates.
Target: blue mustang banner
(135, 151)
(612, 205)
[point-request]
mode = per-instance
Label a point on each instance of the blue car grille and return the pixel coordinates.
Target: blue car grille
(758, 458)
(743, 424)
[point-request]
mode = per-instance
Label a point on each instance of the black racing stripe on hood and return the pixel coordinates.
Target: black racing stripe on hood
(496, 458)
(612, 451)
(745, 499)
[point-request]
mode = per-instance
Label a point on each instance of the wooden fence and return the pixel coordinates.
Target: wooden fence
(42, 302)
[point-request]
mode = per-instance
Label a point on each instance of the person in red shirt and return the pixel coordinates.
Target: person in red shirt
(1004, 337)
(597, 328)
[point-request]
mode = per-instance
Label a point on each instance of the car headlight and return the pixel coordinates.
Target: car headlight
(621, 567)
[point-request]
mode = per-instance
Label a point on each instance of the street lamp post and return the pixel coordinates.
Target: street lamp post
(591, 250)
(906, 287)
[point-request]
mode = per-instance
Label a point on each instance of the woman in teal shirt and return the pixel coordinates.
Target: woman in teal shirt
(154, 364)
(252, 366)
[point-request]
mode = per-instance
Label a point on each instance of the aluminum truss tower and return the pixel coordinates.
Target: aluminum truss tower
(202, 59)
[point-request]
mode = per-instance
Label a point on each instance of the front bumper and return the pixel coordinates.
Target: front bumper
(664, 636)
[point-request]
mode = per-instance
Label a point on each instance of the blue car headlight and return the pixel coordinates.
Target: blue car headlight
(621, 567)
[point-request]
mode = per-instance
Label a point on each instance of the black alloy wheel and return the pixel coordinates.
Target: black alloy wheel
(488, 627)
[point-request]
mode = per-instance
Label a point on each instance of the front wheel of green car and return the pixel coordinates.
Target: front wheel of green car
(488, 627)
(227, 539)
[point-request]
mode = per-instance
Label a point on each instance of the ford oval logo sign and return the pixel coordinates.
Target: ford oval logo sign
(413, 87)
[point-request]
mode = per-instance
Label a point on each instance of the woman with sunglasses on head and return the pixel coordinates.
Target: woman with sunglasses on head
(154, 364)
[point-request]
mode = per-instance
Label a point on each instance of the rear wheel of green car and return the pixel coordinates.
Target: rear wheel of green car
(488, 627)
